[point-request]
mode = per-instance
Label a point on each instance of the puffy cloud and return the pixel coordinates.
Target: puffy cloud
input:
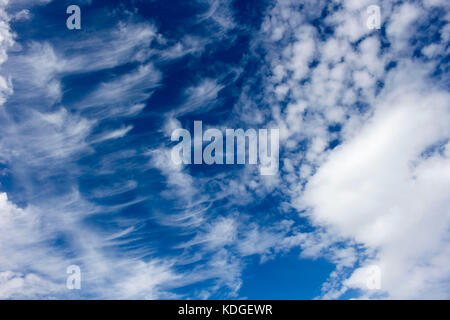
(386, 188)
(382, 188)
(20, 286)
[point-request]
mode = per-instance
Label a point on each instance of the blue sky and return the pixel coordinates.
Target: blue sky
(86, 176)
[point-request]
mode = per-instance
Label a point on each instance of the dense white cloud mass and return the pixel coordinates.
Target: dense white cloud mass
(386, 185)
(387, 190)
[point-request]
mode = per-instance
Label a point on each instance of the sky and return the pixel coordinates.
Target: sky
(360, 205)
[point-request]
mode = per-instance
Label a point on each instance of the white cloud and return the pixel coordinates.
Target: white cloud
(379, 198)
(218, 234)
(199, 98)
(23, 14)
(32, 267)
(385, 186)
(43, 139)
(6, 42)
(20, 286)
